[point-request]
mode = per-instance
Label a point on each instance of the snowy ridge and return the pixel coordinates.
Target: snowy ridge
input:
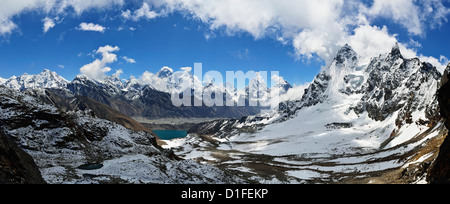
(45, 79)
(166, 80)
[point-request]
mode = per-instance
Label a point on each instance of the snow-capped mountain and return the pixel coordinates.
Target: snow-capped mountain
(132, 98)
(166, 80)
(354, 120)
(45, 79)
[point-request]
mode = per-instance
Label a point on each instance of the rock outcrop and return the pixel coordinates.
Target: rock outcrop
(16, 166)
(440, 171)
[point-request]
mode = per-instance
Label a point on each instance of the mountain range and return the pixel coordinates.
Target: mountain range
(379, 122)
(150, 99)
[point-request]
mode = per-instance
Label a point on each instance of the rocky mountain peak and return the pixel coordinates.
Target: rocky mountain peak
(346, 53)
(395, 54)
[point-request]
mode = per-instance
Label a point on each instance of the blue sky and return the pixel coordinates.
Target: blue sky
(181, 35)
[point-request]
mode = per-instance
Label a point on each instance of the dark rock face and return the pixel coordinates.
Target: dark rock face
(344, 54)
(440, 171)
(314, 93)
(339, 125)
(394, 84)
(16, 166)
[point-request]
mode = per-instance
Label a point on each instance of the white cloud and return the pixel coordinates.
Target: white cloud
(91, 27)
(295, 93)
(7, 27)
(148, 78)
(370, 41)
(129, 60)
(49, 23)
(11, 8)
(118, 73)
(315, 28)
(143, 12)
(434, 10)
(97, 70)
(414, 15)
(259, 17)
(404, 12)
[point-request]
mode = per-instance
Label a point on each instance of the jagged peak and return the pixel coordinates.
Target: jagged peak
(346, 53)
(54, 75)
(345, 48)
(395, 52)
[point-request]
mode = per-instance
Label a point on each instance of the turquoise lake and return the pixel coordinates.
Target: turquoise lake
(170, 134)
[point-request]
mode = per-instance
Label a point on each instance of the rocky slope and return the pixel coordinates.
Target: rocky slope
(16, 166)
(74, 147)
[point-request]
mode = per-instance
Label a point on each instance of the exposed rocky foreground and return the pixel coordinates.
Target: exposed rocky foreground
(75, 147)
(16, 166)
(440, 171)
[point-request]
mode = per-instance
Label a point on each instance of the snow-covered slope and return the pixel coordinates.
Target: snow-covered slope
(74, 147)
(45, 79)
(353, 120)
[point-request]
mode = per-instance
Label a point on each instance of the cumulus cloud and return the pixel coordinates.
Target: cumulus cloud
(314, 28)
(11, 8)
(7, 26)
(91, 27)
(97, 69)
(317, 28)
(48, 24)
(404, 12)
(295, 93)
(414, 15)
(143, 12)
(370, 41)
(148, 78)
